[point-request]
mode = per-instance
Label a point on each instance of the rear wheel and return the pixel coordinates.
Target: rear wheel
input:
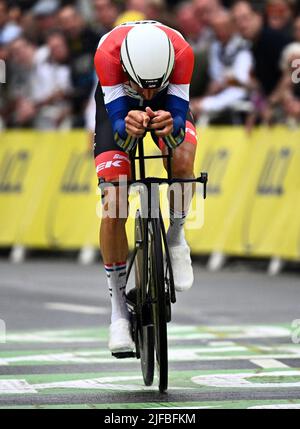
(159, 305)
(145, 331)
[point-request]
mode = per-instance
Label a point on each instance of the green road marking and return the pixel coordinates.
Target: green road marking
(204, 381)
(217, 343)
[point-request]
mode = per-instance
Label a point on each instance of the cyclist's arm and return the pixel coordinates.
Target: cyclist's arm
(178, 97)
(111, 78)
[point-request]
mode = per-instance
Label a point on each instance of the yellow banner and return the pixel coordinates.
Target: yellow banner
(49, 196)
(223, 153)
(266, 219)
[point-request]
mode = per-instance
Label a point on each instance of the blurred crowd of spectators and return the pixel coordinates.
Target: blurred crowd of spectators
(247, 58)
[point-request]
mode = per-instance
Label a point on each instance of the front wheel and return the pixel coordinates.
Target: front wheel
(159, 304)
(145, 332)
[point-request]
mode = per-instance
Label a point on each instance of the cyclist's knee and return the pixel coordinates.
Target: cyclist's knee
(183, 166)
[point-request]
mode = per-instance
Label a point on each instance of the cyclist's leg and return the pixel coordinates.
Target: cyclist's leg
(111, 163)
(183, 168)
(180, 201)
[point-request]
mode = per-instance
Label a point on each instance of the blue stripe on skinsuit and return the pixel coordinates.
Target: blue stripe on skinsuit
(179, 110)
(117, 111)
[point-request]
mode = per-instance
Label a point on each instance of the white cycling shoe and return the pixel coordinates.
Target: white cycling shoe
(182, 267)
(120, 340)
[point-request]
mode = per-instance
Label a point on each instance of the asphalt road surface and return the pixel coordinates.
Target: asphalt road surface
(234, 342)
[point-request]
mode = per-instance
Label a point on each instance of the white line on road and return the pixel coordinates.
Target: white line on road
(278, 379)
(269, 363)
(75, 308)
(103, 356)
(276, 407)
(15, 386)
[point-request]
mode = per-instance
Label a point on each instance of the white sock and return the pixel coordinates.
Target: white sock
(116, 277)
(175, 234)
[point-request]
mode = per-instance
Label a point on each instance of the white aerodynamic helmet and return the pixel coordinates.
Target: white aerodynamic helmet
(147, 56)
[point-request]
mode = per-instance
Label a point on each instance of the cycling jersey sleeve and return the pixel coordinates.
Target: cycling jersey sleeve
(178, 95)
(111, 77)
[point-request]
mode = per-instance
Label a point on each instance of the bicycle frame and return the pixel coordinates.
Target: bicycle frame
(153, 200)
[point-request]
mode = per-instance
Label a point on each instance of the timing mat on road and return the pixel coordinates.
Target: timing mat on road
(209, 367)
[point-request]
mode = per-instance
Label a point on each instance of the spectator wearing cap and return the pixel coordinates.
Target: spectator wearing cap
(230, 63)
(9, 31)
(83, 42)
(45, 19)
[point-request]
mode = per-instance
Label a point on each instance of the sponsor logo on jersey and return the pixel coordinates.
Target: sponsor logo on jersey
(190, 131)
(123, 157)
(109, 164)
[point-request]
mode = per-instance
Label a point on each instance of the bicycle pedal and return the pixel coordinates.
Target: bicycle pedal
(124, 355)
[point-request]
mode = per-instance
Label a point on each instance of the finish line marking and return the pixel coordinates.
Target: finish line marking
(98, 357)
(74, 308)
(175, 332)
(268, 363)
(243, 380)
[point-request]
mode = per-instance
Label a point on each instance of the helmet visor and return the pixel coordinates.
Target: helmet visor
(151, 83)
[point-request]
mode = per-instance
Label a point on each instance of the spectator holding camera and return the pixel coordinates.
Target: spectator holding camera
(230, 64)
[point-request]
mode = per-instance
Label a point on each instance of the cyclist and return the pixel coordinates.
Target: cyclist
(144, 70)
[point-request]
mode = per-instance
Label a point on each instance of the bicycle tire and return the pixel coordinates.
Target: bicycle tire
(145, 334)
(159, 306)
